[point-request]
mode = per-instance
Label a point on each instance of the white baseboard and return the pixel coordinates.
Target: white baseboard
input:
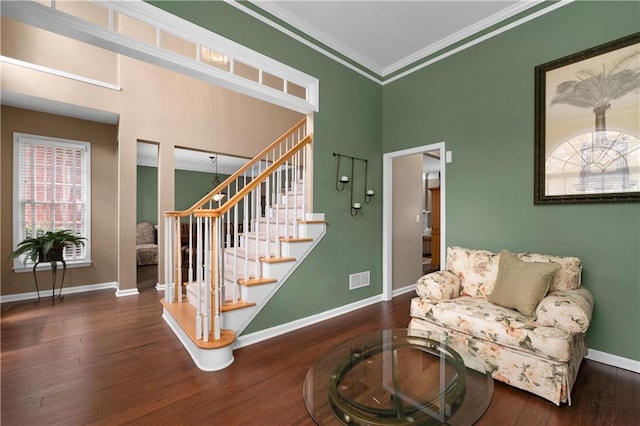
(127, 292)
(613, 360)
(65, 290)
(403, 290)
(160, 287)
(259, 336)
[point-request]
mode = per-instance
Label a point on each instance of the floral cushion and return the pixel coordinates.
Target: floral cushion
(478, 317)
(438, 285)
(477, 270)
(567, 278)
(570, 310)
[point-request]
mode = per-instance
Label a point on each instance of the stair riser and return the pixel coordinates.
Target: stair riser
(291, 200)
(229, 262)
(261, 247)
(276, 270)
(280, 229)
(283, 213)
(233, 320)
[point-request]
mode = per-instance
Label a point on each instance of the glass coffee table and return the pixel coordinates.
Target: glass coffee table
(390, 377)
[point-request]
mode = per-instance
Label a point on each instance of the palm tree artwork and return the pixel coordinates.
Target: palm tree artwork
(598, 89)
(603, 155)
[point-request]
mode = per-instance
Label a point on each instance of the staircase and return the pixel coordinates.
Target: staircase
(225, 260)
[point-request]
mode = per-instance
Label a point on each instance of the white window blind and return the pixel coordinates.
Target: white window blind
(52, 190)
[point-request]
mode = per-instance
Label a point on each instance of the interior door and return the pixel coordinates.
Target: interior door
(407, 206)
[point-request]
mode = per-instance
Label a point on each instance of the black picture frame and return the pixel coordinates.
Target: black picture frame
(589, 167)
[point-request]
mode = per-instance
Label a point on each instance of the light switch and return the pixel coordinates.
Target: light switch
(448, 156)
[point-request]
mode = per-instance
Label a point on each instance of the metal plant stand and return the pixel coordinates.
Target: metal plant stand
(54, 273)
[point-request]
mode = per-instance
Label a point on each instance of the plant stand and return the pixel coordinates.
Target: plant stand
(54, 272)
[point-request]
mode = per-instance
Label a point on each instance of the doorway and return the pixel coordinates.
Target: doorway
(392, 196)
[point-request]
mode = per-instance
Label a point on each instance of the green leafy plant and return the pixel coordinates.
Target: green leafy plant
(44, 246)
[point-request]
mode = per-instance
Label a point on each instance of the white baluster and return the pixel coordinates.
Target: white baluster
(168, 268)
(199, 278)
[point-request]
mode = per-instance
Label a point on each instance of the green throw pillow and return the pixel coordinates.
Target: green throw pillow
(521, 285)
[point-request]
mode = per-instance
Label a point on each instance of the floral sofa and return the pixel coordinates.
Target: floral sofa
(476, 306)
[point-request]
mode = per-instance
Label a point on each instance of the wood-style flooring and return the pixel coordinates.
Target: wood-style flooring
(98, 359)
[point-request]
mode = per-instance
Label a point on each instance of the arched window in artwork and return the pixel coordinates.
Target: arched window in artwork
(594, 162)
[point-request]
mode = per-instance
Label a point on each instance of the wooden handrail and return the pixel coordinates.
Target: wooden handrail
(198, 205)
(237, 197)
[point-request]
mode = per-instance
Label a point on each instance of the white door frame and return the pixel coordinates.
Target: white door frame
(387, 216)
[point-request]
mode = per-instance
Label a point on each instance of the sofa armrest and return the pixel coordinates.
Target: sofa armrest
(566, 309)
(438, 285)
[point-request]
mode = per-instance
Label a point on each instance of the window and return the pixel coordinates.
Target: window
(51, 191)
(594, 162)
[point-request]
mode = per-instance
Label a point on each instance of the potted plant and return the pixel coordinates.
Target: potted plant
(47, 247)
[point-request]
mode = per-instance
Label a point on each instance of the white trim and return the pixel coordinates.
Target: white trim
(127, 292)
(59, 73)
(613, 360)
(469, 31)
(160, 287)
(51, 142)
(50, 19)
(259, 336)
(387, 216)
(302, 40)
(403, 290)
(46, 266)
(204, 359)
(480, 39)
(374, 69)
(311, 31)
(65, 290)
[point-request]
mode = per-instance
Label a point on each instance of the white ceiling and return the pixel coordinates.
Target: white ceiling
(189, 159)
(387, 35)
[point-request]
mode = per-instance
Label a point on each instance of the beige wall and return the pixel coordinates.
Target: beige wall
(30, 44)
(407, 232)
(154, 105)
(102, 138)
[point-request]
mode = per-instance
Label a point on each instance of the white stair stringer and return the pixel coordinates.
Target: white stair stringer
(310, 233)
(282, 270)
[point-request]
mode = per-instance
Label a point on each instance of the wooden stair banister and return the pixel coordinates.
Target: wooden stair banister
(283, 161)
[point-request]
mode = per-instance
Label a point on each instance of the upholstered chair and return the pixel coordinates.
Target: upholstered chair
(146, 247)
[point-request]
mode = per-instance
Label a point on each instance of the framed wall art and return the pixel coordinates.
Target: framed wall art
(587, 125)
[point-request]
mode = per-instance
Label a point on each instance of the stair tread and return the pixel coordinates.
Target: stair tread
(240, 304)
(274, 259)
(184, 313)
(257, 281)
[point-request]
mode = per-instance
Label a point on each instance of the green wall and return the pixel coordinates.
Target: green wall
(147, 187)
(350, 122)
(190, 187)
(481, 102)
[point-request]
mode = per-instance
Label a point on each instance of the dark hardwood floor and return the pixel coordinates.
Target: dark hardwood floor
(98, 359)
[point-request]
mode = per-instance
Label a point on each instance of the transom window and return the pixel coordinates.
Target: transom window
(51, 191)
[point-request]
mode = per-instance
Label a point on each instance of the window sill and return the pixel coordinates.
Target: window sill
(46, 266)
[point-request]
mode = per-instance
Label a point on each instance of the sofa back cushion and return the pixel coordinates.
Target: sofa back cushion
(567, 278)
(478, 270)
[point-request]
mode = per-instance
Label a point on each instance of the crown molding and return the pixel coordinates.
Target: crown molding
(316, 39)
(469, 31)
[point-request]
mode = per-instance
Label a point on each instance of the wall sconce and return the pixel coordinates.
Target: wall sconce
(343, 180)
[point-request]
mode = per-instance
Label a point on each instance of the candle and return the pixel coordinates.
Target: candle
(356, 205)
(370, 192)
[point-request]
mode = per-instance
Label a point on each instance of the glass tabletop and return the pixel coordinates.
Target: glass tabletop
(390, 377)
